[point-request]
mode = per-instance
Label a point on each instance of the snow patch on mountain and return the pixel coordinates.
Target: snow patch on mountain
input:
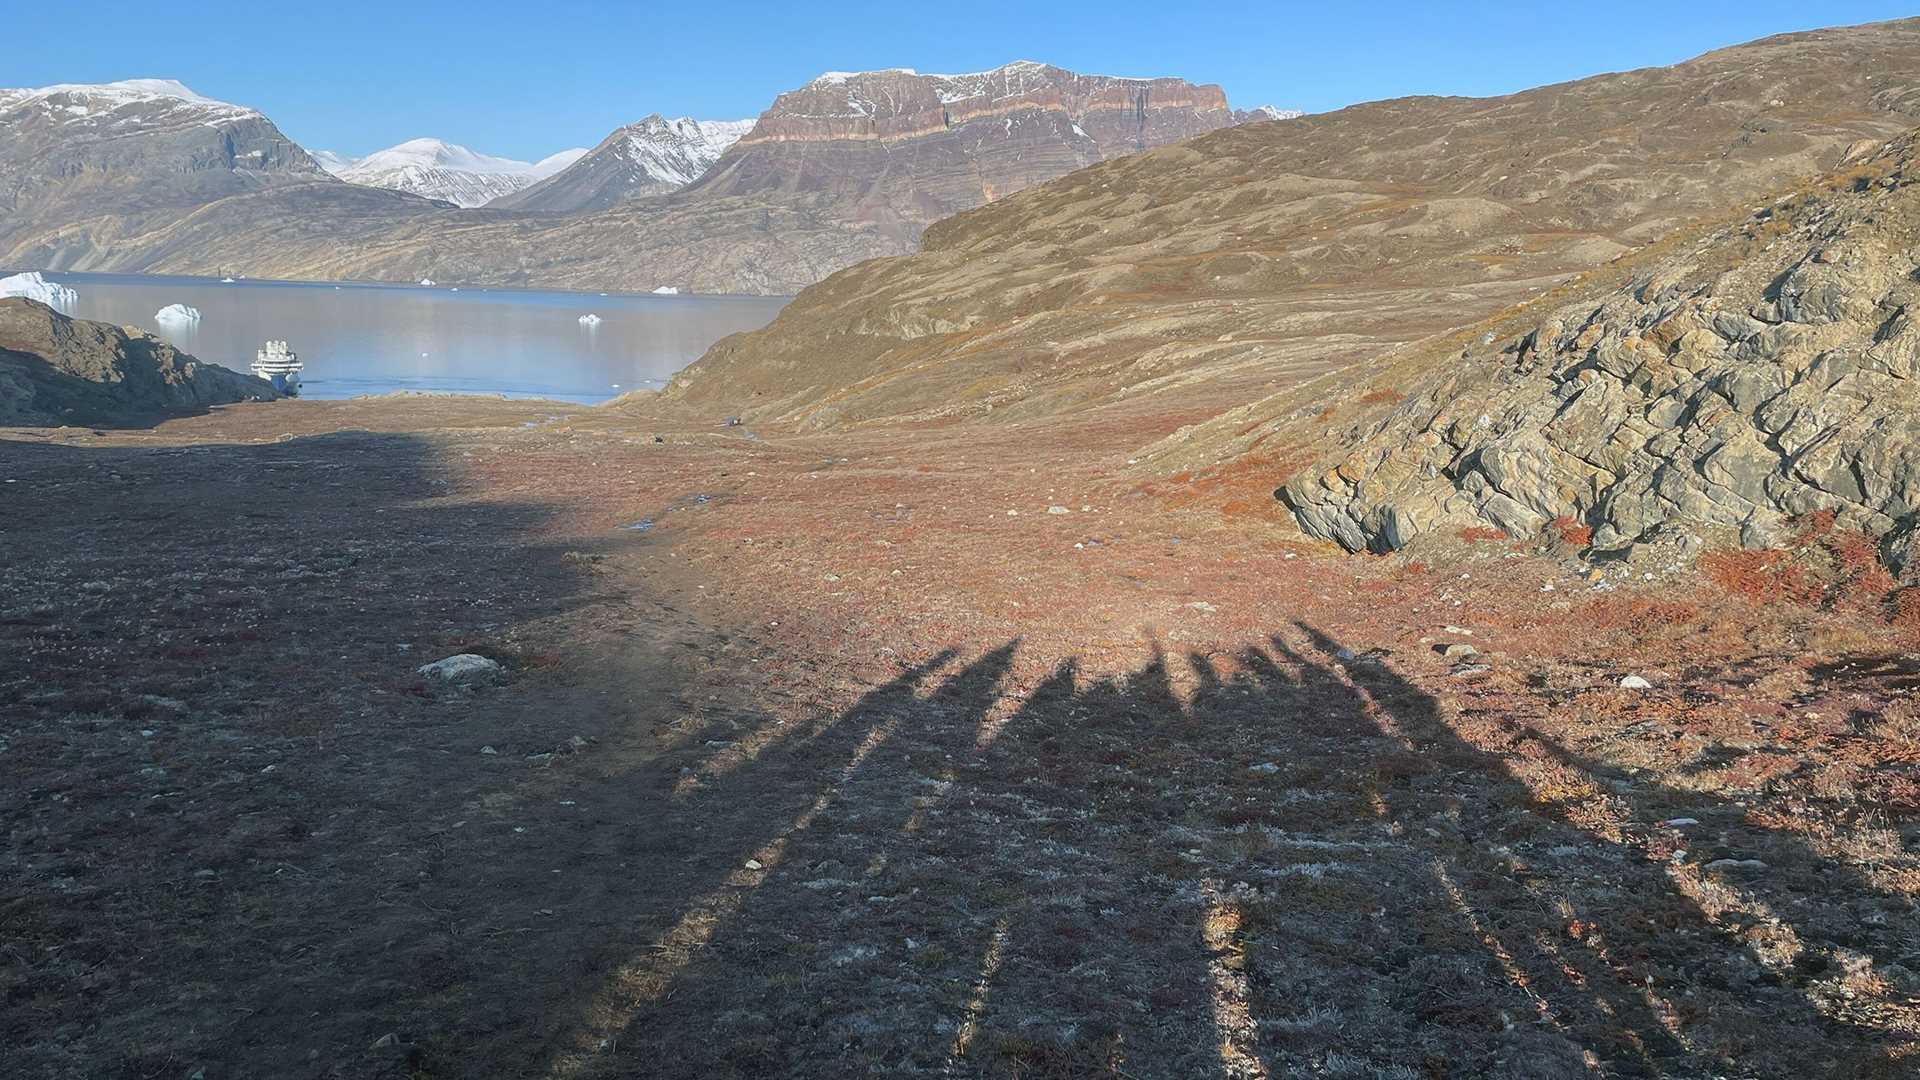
(677, 152)
(865, 90)
(438, 169)
(330, 161)
(553, 163)
(88, 102)
(648, 157)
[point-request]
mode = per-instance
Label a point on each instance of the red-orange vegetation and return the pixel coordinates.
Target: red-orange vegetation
(1571, 531)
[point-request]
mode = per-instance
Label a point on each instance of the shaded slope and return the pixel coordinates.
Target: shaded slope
(57, 370)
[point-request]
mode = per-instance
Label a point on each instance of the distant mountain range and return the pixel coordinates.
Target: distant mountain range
(447, 171)
(147, 175)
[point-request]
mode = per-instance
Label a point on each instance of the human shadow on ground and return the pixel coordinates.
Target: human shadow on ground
(1296, 866)
(996, 862)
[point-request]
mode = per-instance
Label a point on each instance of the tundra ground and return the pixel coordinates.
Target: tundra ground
(954, 751)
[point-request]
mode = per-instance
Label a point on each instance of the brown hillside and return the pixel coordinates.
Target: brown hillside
(1244, 261)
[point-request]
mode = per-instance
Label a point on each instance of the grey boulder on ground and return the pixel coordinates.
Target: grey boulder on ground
(60, 370)
(1761, 371)
(462, 669)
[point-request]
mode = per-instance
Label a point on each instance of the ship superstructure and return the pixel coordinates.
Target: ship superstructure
(278, 365)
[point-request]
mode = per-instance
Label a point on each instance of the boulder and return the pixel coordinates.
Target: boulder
(462, 669)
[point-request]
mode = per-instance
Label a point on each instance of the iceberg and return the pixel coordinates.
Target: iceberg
(589, 319)
(34, 287)
(667, 290)
(426, 281)
(177, 313)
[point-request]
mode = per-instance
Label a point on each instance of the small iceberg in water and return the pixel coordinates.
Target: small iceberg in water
(177, 313)
(34, 287)
(226, 281)
(589, 319)
(426, 281)
(667, 290)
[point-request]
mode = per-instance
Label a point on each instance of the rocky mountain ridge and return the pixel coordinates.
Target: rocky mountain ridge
(84, 166)
(652, 156)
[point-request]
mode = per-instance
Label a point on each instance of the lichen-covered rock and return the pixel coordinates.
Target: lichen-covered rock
(1770, 370)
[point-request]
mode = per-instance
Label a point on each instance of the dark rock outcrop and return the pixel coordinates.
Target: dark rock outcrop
(1767, 370)
(57, 370)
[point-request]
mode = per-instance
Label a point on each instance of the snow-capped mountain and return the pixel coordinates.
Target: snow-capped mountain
(332, 162)
(443, 170)
(1265, 112)
(129, 100)
(651, 157)
(83, 165)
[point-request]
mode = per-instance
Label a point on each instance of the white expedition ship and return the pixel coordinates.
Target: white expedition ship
(278, 365)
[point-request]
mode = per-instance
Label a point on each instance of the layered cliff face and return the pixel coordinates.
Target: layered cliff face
(901, 149)
(57, 370)
(1768, 369)
(1242, 262)
(83, 166)
(654, 156)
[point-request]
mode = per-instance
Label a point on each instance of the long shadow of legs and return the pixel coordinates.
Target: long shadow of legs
(1600, 946)
(1284, 864)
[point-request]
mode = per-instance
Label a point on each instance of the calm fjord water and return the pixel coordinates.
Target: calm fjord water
(373, 339)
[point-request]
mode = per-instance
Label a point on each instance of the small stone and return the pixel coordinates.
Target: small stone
(1203, 606)
(577, 743)
(488, 750)
(384, 1041)
(755, 864)
(462, 669)
(206, 873)
(1721, 866)
(1058, 510)
(1635, 682)
(1345, 655)
(721, 744)
(1265, 768)
(1459, 650)
(1680, 822)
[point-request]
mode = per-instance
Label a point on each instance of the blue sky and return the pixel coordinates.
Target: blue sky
(529, 77)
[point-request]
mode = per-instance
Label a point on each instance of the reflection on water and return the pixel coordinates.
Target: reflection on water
(373, 339)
